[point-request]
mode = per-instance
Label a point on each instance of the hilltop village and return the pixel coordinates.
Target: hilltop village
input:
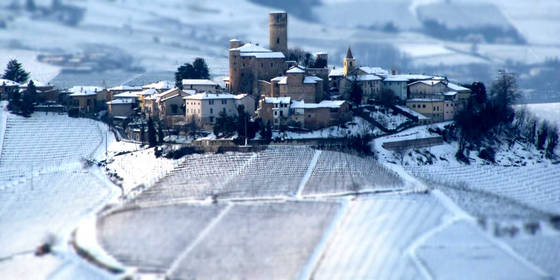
(274, 88)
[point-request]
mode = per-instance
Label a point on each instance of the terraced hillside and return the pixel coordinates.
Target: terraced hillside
(45, 192)
(294, 212)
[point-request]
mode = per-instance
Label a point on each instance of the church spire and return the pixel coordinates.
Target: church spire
(349, 53)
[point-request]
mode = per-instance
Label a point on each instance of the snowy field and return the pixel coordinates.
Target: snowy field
(545, 111)
(535, 186)
(46, 191)
(336, 215)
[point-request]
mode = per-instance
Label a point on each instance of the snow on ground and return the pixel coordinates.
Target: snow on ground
(256, 241)
(388, 118)
(38, 71)
(46, 191)
(545, 111)
(138, 167)
(448, 256)
(373, 238)
(535, 186)
(357, 126)
(339, 173)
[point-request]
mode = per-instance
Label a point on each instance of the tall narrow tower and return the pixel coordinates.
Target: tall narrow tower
(349, 63)
(278, 23)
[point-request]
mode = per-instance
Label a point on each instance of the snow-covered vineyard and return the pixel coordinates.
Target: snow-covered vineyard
(45, 197)
(286, 212)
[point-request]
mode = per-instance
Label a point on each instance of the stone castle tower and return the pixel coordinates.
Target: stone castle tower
(278, 23)
(349, 63)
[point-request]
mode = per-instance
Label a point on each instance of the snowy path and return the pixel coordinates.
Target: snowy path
(308, 173)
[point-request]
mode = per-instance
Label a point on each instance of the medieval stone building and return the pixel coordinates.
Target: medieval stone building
(249, 63)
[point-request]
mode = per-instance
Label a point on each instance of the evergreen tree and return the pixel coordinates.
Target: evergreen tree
(142, 136)
(552, 142)
(542, 135)
(197, 70)
(152, 141)
(28, 100)
(242, 121)
(160, 134)
(15, 72)
(185, 71)
(356, 93)
(201, 69)
(504, 93)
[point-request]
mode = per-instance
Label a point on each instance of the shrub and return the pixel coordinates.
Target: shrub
(487, 154)
(181, 152)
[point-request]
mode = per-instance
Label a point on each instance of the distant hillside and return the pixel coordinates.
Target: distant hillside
(467, 22)
(298, 8)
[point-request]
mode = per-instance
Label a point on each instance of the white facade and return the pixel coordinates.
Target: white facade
(201, 85)
(204, 108)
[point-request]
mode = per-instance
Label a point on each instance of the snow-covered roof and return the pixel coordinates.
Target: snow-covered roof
(368, 77)
(241, 96)
(375, 70)
(257, 51)
(160, 85)
(149, 91)
(323, 104)
(427, 82)
(311, 80)
(425, 100)
(264, 55)
(406, 77)
(35, 82)
(120, 101)
(128, 88)
(126, 94)
(251, 48)
(189, 91)
(170, 97)
(336, 72)
(450, 93)
(277, 100)
(456, 87)
(84, 90)
(8, 83)
(199, 82)
(206, 95)
(296, 70)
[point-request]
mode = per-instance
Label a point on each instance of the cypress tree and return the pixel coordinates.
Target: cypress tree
(29, 96)
(15, 72)
(160, 134)
(152, 141)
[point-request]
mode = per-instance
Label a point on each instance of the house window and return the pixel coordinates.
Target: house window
(271, 64)
(211, 111)
(423, 105)
(413, 105)
(276, 113)
(211, 119)
(211, 102)
(277, 40)
(281, 113)
(224, 101)
(224, 110)
(262, 65)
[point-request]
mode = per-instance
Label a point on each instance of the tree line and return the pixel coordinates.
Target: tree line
(488, 116)
(22, 103)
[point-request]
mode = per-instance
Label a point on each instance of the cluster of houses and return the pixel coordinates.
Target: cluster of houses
(274, 89)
